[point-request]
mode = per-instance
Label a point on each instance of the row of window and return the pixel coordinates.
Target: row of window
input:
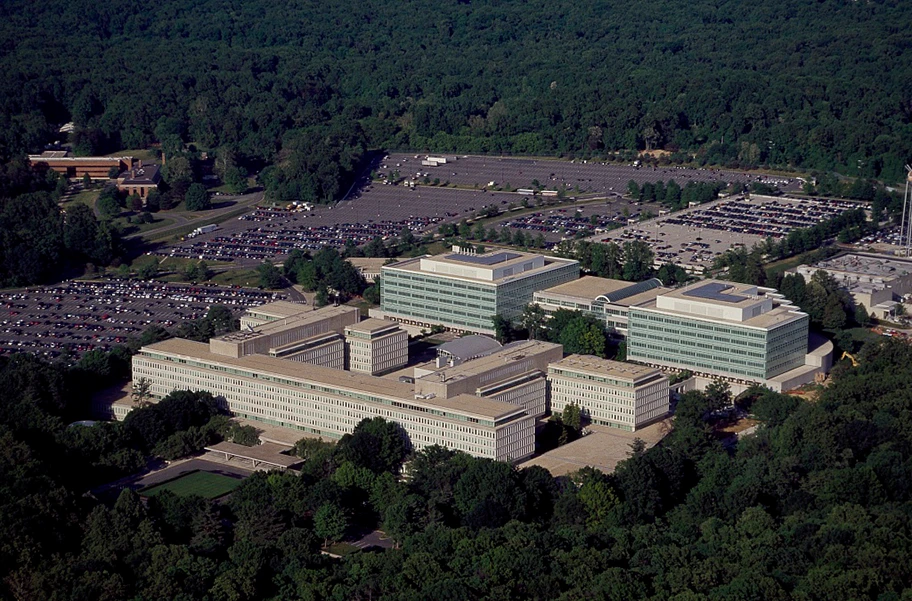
(338, 412)
(362, 396)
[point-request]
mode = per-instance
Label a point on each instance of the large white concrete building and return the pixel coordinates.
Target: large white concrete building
(878, 282)
(330, 403)
(368, 267)
(515, 374)
(257, 316)
(376, 346)
(292, 332)
(607, 300)
(609, 393)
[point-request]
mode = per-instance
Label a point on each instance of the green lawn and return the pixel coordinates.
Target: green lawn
(341, 549)
(363, 306)
(237, 277)
(775, 268)
(134, 228)
(86, 197)
(137, 153)
(858, 336)
(203, 484)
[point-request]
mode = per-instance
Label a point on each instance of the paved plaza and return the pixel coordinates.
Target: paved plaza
(602, 449)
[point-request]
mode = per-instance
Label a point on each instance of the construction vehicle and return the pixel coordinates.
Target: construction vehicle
(846, 355)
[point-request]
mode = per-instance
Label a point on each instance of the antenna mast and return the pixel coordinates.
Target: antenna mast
(905, 231)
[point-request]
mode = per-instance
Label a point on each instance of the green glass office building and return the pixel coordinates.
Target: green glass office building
(464, 291)
(723, 329)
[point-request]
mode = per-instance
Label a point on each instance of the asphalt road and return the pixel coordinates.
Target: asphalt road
(224, 205)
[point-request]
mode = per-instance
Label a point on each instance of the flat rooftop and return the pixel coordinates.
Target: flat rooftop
(868, 265)
(500, 258)
(642, 298)
(588, 287)
(511, 353)
(619, 292)
(415, 265)
(371, 325)
(331, 378)
(284, 323)
(266, 453)
(779, 315)
(731, 294)
(602, 449)
(308, 343)
(280, 309)
(367, 263)
(590, 364)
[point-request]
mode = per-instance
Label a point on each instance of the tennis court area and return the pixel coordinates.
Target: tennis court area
(203, 484)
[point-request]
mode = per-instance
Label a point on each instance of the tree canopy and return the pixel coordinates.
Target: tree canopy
(305, 92)
(814, 505)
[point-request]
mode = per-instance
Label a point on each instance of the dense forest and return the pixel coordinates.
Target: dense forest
(815, 505)
(307, 88)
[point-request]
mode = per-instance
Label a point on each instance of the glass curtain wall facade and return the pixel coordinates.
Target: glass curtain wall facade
(716, 347)
(463, 303)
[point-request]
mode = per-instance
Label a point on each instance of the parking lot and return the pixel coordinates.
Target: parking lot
(84, 315)
(278, 232)
(887, 240)
(576, 176)
(383, 210)
(555, 224)
(694, 237)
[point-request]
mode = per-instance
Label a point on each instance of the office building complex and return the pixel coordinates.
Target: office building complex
(296, 334)
(257, 316)
(515, 373)
(464, 291)
(722, 329)
(609, 393)
(140, 179)
(330, 403)
(368, 267)
(73, 167)
(875, 281)
(607, 300)
(376, 346)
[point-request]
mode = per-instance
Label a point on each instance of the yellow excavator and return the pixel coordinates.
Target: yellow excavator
(824, 379)
(850, 357)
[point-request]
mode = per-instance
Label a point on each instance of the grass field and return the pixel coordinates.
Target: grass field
(86, 197)
(236, 277)
(203, 484)
(136, 228)
(341, 549)
(137, 153)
